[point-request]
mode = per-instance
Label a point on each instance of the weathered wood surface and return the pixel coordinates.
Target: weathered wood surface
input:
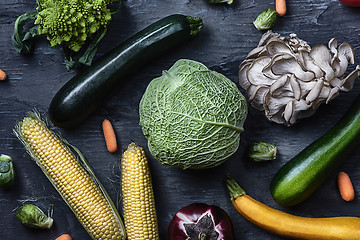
(227, 37)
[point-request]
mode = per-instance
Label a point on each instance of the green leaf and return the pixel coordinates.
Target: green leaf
(91, 50)
(117, 8)
(21, 39)
(70, 61)
(76, 59)
(34, 31)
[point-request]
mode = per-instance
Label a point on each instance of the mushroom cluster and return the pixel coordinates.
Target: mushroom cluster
(288, 80)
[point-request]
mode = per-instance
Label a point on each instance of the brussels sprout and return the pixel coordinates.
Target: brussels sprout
(266, 19)
(32, 216)
(6, 171)
(260, 151)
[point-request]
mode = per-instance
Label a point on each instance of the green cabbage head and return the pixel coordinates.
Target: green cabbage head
(192, 117)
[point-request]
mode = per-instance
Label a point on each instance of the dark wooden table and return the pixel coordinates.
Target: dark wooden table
(227, 37)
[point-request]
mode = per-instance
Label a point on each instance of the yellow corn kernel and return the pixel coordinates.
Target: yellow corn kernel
(86, 198)
(138, 197)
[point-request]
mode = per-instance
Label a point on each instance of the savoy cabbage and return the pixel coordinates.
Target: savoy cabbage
(192, 117)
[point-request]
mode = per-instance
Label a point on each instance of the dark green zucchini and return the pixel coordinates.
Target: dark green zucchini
(82, 94)
(303, 174)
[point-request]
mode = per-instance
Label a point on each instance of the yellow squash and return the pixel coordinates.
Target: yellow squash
(291, 226)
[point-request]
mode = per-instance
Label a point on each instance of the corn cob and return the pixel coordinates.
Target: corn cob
(138, 197)
(73, 179)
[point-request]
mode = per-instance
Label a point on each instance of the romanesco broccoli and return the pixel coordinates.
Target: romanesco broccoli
(69, 23)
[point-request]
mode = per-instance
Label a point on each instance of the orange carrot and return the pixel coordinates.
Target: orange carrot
(345, 186)
(64, 237)
(280, 6)
(109, 136)
(2, 75)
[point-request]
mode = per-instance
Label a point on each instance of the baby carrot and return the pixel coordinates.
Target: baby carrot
(109, 136)
(345, 186)
(280, 7)
(2, 75)
(64, 237)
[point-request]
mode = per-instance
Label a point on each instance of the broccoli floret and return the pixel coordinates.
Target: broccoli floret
(71, 22)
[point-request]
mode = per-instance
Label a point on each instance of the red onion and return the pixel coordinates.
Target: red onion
(199, 221)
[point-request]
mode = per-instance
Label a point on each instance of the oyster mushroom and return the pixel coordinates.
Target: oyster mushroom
(346, 56)
(288, 80)
(279, 85)
(243, 68)
(315, 92)
(287, 64)
(347, 51)
(293, 109)
(332, 45)
(254, 73)
(334, 92)
(256, 52)
(268, 36)
(296, 87)
(298, 44)
(321, 56)
(257, 95)
(309, 64)
(277, 46)
(348, 81)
